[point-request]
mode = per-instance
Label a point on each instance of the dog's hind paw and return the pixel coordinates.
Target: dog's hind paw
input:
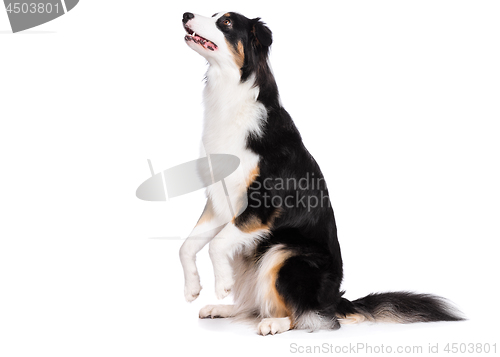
(273, 326)
(215, 311)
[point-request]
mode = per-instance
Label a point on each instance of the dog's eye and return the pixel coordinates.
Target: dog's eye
(227, 22)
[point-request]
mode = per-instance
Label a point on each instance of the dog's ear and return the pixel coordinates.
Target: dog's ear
(261, 33)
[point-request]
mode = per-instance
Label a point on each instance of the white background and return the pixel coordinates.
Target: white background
(398, 101)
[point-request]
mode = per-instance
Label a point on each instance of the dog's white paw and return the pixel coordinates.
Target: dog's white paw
(221, 293)
(214, 311)
(192, 290)
(273, 326)
(223, 287)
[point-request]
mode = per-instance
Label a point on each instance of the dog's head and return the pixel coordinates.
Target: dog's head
(229, 40)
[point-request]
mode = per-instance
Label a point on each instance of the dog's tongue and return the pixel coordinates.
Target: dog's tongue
(205, 43)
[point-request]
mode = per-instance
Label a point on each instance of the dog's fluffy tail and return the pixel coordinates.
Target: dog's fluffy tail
(399, 307)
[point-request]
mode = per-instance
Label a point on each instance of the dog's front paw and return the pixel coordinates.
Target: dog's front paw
(192, 290)
(223, 287)
(221, 293)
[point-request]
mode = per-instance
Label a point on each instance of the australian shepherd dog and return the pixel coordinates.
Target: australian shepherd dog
(270, 226)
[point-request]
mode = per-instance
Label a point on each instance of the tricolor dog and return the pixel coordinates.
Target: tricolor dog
(270, 227)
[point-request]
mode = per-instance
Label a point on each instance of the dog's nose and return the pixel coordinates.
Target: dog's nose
(186, 17)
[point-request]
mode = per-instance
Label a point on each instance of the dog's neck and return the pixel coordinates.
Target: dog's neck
(232, 109)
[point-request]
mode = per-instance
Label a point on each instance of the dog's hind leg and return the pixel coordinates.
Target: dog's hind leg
(296, 291)
(309, 287)
(271, 304)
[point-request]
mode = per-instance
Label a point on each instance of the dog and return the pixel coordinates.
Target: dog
(270, 226)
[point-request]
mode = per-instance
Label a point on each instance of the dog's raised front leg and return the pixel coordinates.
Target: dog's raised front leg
(221, 250)
(208, 226)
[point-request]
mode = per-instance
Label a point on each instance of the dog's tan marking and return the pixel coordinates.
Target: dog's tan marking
(351, 319)
(250, 225)
(238, 53)
(274, 304)
(208, 213)
(253, 223)
(280, 308)
(253, 175)
(381, 315)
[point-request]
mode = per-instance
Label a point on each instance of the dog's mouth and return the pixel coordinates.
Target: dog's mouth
(192, 36)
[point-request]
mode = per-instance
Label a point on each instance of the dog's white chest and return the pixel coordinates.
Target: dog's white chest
(231, 114)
